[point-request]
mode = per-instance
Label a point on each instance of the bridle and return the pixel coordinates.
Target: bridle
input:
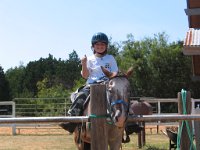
(111, 104)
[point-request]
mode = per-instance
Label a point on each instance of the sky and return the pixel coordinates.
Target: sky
(33, 29)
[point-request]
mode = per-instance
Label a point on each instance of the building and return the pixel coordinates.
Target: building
(192, 39)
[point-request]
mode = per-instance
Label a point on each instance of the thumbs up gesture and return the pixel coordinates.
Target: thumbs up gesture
(84, 60)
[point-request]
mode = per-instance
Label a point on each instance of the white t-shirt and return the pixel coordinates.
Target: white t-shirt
(94, 66)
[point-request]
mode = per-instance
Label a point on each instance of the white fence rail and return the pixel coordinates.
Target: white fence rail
(33, 107)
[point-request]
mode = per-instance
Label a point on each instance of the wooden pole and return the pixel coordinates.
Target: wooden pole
(185, 140)
(99, 138)
(196, 129)
(143, 134)
(139, 140)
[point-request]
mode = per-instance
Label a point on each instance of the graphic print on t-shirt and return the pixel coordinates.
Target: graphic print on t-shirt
(107, 66)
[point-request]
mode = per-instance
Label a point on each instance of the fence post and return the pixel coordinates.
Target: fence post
(65, 107)
(143, 134)
(185, 140)
(196, 129)
(98, 125)
(13, 116)
(139, 140)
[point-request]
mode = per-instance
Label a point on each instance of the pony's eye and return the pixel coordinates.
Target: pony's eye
(111, 83)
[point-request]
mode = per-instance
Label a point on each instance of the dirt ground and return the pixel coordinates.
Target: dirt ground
(58, 139)
(153, 129)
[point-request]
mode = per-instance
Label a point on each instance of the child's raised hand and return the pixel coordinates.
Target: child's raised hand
(84, 60)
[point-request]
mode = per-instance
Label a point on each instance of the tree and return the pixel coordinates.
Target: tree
(74, 68)
(15, 78)
(113, 48)
(160, 68)
(23, 80)
(4, 87)
(135, 54)
(56, 91)
(171, 70)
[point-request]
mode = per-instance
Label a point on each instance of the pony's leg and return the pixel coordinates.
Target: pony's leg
(78, 142)
(114, 137)
(86, 146)
(115, 145)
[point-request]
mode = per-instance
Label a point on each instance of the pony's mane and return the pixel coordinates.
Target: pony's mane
(119, 74)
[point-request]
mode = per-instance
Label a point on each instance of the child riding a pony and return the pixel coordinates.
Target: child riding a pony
(92, 71)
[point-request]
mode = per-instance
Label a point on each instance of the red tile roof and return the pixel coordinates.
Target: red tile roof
(192, 42)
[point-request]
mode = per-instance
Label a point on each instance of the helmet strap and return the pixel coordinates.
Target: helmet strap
(99, 54)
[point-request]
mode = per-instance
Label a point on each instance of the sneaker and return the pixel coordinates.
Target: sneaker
(69, 126)
(126, 140)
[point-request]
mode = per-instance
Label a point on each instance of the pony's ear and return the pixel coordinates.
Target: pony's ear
(129, 72)
(108, 73)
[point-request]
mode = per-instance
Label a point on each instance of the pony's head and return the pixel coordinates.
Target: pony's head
(118, 93)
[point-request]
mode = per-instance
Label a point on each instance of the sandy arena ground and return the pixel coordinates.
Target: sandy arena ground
(57, 130)
(46, 138)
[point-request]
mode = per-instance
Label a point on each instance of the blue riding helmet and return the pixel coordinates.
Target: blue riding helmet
(99, 37)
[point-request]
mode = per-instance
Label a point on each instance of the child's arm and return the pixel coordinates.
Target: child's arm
(85, 71)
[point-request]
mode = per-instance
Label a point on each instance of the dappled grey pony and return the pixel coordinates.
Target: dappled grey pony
(118, 93)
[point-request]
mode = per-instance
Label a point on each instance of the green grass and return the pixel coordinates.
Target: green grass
(153, 142)
(65, 142)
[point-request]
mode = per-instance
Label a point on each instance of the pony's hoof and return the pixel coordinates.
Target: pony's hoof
(127, 140)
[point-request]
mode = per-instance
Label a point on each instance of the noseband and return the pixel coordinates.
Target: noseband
(119, 101)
